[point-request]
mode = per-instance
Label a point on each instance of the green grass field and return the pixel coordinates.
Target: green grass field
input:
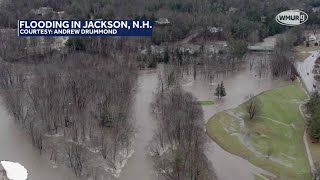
(206, 103)
(273, 140)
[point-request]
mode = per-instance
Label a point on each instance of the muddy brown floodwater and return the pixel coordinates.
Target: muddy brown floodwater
(16, 146)
(238, 85)
(140, 166)
(227, 166)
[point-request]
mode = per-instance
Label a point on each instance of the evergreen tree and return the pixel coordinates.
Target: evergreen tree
(217, 93)
(222, 90)
(314, 127)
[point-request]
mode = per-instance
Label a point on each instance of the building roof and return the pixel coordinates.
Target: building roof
(233, 9)
(260, 48)
(42, 11)
(163, 21)
(316, 9)
(213, 29)
(189, 48)
(154, 50)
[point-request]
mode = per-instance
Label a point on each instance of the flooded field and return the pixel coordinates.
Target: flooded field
(15, 145)
(238, 85)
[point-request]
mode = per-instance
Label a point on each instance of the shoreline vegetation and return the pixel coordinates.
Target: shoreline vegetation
(273, 140)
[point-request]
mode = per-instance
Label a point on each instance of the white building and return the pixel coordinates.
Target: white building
(163, 21)
(214, 29)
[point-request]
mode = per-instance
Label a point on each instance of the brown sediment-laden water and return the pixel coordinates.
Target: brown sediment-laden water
(238, 85)
(15, 146)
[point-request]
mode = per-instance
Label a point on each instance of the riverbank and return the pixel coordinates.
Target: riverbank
(272, 141)
(16, 147)
(238, 84)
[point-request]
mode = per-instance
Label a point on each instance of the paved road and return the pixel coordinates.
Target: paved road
(304, 68)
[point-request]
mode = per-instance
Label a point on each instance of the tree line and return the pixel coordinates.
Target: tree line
(313, 107)
(178, 145)
(75, 107)
(185, 16)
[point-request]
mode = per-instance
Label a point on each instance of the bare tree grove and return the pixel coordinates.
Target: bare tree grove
(75, 107)
(178, 146)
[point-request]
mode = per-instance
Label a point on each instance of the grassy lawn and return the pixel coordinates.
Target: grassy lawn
(206, 103)
(273, 140)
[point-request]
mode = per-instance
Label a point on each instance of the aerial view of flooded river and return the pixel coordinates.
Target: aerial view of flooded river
(140, 165)
(15, 145)
(238, 84)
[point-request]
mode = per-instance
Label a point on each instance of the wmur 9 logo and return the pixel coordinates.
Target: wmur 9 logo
(292, 17)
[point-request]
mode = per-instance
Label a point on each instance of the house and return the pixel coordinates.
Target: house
(316, 9)
(42, 11)
(261, 48)
(61, 14)
(214, 29)
(232, 10)
(153, 50)
(189, 48)
(163, 21)
(217, 47)
(263, 19)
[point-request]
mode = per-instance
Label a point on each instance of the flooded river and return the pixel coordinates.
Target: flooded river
(15, 146)
(227, 165)
(140, 166)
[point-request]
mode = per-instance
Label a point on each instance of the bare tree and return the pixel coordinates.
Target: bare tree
(253, 106)
(78, 99)
(282, 61)
(77, 158)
